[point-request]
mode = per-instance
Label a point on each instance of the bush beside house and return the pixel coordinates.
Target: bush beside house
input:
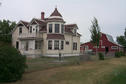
(119, 54)
(12, 64)
(101, 56)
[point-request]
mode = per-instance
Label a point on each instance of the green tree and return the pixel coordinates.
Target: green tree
(12, 64)
(6, 28)
(122, 40)
(95, 33)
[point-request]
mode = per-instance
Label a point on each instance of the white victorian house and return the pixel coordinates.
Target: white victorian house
(46, 37)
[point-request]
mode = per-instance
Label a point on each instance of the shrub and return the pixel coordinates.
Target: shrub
(117, 54)
(122, 53)
(101, 56)
(12, 64)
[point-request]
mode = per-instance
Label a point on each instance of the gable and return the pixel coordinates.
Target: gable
(20, 23)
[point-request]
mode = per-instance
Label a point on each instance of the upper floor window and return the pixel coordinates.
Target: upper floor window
(74, 46)
(56, 28)
(50, 28)
(62, 28)
(20, 30)
(75, 31)
(30, 29)
(37, 28)
(50, 45)
(56, 45)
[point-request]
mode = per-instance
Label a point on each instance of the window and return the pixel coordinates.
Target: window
(102, 46)
(62, 28)
(49, 45)
(74, 46)
(38, 45)
(62, 45)
(37, 28)
(50, 28)
(67, 42)
(114, 47)
(17, 44)
(30, 29)
(26, 47)
(56, 45)
(96, 47)
(75, 31)
(20, 30)
(56, 28)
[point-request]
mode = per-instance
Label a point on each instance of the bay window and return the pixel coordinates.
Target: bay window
(56, 45)
(56, 28)
(62, 28)
(50, 28)
(62, 45)
(50, 45)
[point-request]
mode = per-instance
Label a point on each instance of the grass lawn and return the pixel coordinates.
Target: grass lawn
(45, 71)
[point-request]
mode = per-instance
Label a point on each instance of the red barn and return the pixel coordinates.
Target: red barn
(106, 45)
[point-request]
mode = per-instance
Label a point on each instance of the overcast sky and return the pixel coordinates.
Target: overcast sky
(111, 14)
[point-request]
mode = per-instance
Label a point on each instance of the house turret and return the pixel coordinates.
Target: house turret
(55, 23)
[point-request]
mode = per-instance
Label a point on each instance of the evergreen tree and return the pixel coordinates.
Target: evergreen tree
(95, 33)
(122, 40)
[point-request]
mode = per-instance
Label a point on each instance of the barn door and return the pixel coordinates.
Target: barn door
(106, 49)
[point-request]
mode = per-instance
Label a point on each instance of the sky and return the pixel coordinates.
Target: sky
(111, 14)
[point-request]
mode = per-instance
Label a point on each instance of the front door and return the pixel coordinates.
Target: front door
(17, 44)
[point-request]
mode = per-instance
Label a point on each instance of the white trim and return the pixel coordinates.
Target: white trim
(102, 46)
(114, 47)
(55, 17)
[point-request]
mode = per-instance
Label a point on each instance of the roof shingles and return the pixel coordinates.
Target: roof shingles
(55, 36)
(56, 13)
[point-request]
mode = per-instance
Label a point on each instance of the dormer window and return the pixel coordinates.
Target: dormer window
(37, 28)
(56, 28)
(20, 30)
(75, 31)
(62, 28)
(50, 28)
(30, 29)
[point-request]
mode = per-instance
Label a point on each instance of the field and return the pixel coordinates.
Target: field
(46, 71)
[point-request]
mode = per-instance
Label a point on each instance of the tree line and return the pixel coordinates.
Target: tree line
(6, 27)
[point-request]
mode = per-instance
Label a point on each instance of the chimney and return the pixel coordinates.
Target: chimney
(42, 15)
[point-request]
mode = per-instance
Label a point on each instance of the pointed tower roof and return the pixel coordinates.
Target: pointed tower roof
(56, 13)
